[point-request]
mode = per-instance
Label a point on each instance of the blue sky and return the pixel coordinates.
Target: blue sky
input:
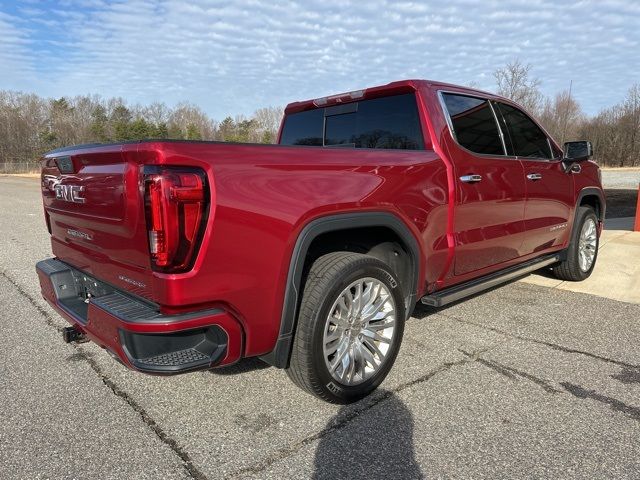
(234, 56)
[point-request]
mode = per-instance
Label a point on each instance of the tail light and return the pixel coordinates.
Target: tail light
(177, 205)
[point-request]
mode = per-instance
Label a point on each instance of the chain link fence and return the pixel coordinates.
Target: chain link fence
(19, 167)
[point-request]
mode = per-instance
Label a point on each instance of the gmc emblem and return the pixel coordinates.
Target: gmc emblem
(69, 193)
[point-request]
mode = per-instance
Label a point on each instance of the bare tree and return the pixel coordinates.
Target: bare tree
(562, 117)
(615, 132)
(189, 119)
(157, 113)
(515, 83)
(268, 122)
(631, 124)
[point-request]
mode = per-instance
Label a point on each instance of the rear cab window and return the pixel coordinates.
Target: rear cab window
(390, 122)
(473, 124)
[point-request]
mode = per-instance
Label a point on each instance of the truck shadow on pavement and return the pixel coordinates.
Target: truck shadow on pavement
(377, 443)
(243, 366)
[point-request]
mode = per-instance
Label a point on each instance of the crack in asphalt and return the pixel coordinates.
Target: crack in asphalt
(551, 345)
(377, 398)
(513, 373)
(628, 376)
(630, 373)
(47, 316)
(615, 404)
(571, 388)
(365, 405)
(180, 451)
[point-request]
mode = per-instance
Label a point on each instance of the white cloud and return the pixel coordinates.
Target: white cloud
(233, 57)
(15, 59)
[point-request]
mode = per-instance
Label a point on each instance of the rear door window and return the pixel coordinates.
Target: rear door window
(526, 138)
(474, 124)
(385, 123)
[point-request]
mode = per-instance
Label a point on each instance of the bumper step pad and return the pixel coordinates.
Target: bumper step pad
(175, 359)
(132, 329)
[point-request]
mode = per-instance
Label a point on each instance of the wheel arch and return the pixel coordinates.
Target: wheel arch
(332, 224)
(593, 197)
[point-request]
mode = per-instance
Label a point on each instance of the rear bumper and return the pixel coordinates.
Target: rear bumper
(134, 331)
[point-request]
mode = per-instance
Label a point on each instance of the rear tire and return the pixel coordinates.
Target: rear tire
(582, 252)
(349, 327)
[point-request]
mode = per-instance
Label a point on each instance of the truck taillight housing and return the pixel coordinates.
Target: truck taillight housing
(176, 207)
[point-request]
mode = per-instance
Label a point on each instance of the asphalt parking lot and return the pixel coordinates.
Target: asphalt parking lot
(523, 381)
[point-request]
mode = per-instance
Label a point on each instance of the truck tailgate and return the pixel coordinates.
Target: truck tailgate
(94, 209)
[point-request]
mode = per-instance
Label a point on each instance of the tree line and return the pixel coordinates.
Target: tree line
(614, 131)
(31, 125)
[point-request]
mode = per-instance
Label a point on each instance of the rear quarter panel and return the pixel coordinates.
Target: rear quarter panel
(265, 195)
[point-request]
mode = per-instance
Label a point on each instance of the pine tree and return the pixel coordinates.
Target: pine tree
(139, 129)
(227, 129)
(99, 121)
(193, 133)
(161, 131)
(120, 121)
(175, 132)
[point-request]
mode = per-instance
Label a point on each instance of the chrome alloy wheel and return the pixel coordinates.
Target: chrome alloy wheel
(587, 244)
(359, 331)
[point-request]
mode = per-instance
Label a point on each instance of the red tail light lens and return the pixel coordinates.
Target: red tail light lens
(177, 205)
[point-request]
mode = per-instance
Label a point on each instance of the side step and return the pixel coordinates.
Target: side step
(458, 292)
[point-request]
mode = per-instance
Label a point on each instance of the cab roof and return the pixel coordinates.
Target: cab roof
(393, 88)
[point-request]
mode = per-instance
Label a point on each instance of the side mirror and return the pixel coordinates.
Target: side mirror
(577, 151)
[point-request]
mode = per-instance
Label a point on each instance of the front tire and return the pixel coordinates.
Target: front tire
(349, 328)
(582, 252)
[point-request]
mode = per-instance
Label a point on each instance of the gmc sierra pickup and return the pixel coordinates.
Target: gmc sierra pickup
(176, 256)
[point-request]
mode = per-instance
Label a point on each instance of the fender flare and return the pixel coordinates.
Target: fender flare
(585, 192)
(589, 191)
(592, 191)
(279, 356)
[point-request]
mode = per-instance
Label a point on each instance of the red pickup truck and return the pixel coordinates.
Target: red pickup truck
(176, 256)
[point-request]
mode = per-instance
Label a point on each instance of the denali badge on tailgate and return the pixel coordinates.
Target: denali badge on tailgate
(77, 234)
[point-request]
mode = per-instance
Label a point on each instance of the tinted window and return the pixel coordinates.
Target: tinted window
(527, 139)
(387, 122)
(474, 124)
(340, 124)
(304, 128)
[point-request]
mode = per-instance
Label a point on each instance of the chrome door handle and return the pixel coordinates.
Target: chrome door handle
(471, 178)
(534, 176)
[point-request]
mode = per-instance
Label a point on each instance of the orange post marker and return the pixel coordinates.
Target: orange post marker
(636, 227)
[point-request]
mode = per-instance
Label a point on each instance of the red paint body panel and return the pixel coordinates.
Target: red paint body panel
(104, 329)
(262, 196)
(550, 203)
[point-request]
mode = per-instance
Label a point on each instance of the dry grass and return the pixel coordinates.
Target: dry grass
(34, 175)
(621, 169)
